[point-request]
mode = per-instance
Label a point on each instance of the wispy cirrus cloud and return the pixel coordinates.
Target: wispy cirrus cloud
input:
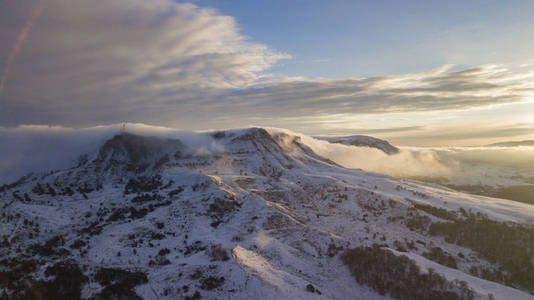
(466, 134)
(438, 89)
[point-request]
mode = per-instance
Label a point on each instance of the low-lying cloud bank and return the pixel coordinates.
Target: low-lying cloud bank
(33, 148)
(40, 148)
(459, 166)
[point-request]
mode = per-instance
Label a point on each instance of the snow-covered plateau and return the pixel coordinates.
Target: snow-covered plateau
(253, 214)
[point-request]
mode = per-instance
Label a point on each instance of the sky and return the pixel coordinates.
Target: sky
(418, 73)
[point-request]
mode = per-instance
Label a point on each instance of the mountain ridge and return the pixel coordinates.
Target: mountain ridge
(512, 144)
(250, 213)
(363, 141)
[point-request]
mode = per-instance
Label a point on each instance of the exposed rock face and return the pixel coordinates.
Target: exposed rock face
(138, 153)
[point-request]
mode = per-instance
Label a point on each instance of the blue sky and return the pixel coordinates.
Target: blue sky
(338, 39)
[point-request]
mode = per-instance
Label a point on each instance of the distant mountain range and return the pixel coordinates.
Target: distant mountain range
(512, 144)
(363, 141)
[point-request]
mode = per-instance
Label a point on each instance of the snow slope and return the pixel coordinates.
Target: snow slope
(256, 215)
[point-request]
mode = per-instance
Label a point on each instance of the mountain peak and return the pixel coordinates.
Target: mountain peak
(138, 152)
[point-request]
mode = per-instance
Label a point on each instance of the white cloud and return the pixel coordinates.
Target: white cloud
(161, 62)
(41, 148)
(120, 55)
(32, 148)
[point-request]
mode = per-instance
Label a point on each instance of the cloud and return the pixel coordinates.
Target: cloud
(407, 163)
(491, 166)
(437, 89)
(469, 134)
(176, 64)
(113, 58)
(387, 130)
(42, 148)
(37, 148)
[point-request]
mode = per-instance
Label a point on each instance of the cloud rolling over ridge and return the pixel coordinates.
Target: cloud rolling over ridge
(41, 148)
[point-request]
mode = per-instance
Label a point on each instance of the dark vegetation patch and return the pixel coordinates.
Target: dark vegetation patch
(436, 211)
(417, 222)
(195, 296)
(142, 184)
(47, 190)
(64, 281)
(175, 192)
(164, 251)
(78, 244)
(277, 221)
(196, 247)
(399, 276)
(220, 208)
(50, 247)
(14, 274)
(218, 253)
(145, 197)
(131, 212)
(109, 276)
(94, 228)
(333, 250)
(5, 187)
(211, 282)
(519, 193)
(161, 259)
(441, 257)
(119, 283)
(16, 195)
(157, 236)
(66, 191)
(144, 238)
(67, 283)
(87, 188)
(168, 185)
(399, 246)
(509, 245)
(83, 189)
(310, 288)
(117, 291)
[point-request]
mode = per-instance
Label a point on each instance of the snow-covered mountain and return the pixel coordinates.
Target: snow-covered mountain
(363, 141)
(253, 214)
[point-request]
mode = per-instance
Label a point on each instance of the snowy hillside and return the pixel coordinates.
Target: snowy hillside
(252, 214)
